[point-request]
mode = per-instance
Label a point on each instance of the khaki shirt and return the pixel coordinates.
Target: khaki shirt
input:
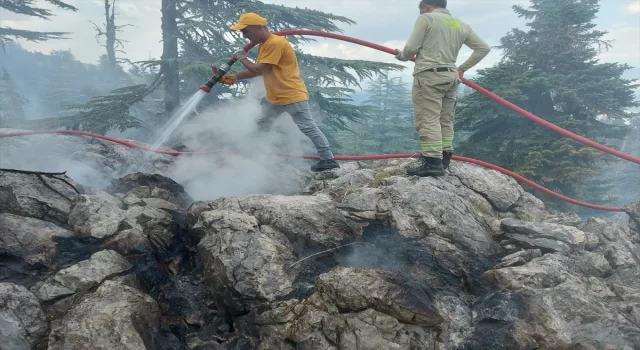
(436, 41)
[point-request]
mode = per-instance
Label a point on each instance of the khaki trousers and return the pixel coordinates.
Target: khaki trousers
(434, 105)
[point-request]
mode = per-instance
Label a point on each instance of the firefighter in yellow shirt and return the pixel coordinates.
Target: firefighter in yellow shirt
(286, 91)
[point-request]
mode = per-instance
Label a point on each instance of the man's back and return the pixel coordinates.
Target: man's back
(437, 39)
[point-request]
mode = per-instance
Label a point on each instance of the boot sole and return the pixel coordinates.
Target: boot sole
(436, 173)
(324, 169)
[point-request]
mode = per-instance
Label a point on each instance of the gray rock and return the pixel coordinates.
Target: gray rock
(554, 237)
(422, 207)
(302, 219)
(316, 324)
(592, 264)
(22, 321)
(137, 228)
(151, 187)
(519, 258)
(619, 256)
(43, 198)
(563, 304)
(249, 244)
(338, 182)
(388, 292)
(83, 275)
(500, 190)
(633, 210)
(604, 230)
(361, 203)
(97, 215)
(115, 317)
(30, 239)
(530, 208)
(567, 219)
(251, 262)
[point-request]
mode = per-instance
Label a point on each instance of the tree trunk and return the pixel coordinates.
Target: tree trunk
(170, 55)
(110, 33)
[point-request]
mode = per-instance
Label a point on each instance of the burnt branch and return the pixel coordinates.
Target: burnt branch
(40, 175)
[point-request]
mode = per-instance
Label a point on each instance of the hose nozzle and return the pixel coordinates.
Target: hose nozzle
(214, 80)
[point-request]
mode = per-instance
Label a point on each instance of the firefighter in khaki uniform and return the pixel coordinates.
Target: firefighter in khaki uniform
(436, 39)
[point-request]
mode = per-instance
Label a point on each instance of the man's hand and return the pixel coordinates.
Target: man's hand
(460, 73)
(226, 79)
(399, 56)
(240, 54)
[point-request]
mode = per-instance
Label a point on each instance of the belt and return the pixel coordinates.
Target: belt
(440, 69)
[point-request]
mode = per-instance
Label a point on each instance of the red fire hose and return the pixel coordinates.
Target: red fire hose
(207, 88)
(473, 85)
(351, 158)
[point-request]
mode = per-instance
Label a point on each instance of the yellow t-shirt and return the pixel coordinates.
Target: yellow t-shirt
(283, 83)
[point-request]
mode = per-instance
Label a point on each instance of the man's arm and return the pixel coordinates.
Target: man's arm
(413, 45)
(253, 69)
(480, 51)
(247, 74)
(268, 56)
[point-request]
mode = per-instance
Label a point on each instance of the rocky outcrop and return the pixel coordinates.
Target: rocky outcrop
(136, 226)
(30, 240)
(115, 316)
(83, 275)
(249, 244)
(22, 321)
(363, 257)
(37, 196)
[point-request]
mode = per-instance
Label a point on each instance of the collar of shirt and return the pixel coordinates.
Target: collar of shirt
(442, 10)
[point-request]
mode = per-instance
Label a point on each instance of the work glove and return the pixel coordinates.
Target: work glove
(228, 79)
(240, 54)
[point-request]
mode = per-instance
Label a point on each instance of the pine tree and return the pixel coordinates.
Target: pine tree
(110, 30)
(388, 127)
(551, 70)
(27, 7)
(11, 101)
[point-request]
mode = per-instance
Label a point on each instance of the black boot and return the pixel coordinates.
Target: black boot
(446, 159)
(325, 164)
(427, 166)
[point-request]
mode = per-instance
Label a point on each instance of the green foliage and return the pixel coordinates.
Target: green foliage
(65, 93)
(102, 113)
(27, 7)
(388, 126)
(552, 71)
(11, 101)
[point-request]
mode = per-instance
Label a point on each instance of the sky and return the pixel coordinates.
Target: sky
(385, 22)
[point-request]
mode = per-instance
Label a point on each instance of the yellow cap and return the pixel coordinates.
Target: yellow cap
(249, 19)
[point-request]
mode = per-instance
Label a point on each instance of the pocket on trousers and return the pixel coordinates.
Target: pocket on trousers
(436, 79)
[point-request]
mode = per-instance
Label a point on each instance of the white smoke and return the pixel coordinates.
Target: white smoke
(76, 156)
(247, 163)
